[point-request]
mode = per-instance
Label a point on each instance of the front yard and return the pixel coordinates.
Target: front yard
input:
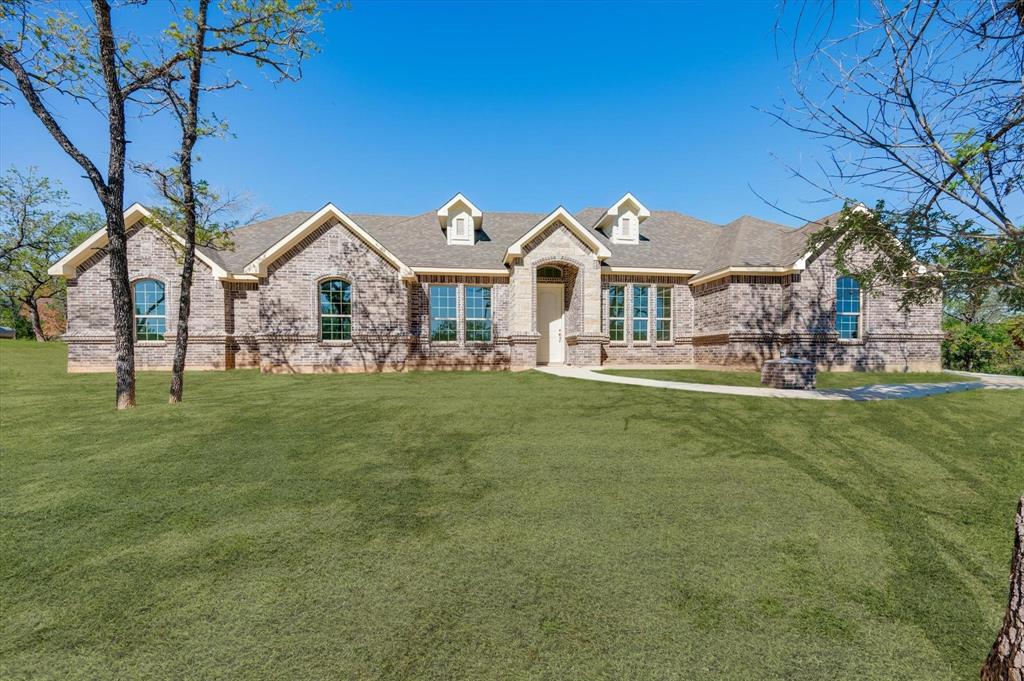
(494, 525)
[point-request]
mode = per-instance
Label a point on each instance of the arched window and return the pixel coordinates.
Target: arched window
(150, 310)
(848, 308)
(335, 310)
(549, 272)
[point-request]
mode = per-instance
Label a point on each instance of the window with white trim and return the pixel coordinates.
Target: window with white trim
(150, 310)
(626, 229)
(663, 314)
(616, 313)
(641, 295)
(444, 313)
(335, 310)
(478, 314)
(460, 229)
(848, 301)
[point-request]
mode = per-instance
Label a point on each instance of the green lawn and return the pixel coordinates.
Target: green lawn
(491, 525)
(826, 379)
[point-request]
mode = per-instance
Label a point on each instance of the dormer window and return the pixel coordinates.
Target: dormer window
(460, 219)
(461, 231)
(626, 230)
(622, 221)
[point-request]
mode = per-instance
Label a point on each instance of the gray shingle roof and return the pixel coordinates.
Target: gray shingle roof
(251, 240)
(419, 241)
(749, 241)
(667, 240)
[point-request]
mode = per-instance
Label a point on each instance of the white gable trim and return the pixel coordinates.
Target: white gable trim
(613, 213)
(258, 266)
(753, 270)
(68, 265)
(463, 271)
(444, 211)
(560, 214)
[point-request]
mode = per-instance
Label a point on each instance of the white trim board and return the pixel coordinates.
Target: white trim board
(68, 265)
(559, 214)
(258, 266)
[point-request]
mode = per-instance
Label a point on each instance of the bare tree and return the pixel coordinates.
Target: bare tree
(275, 35)
(919, 104)
(58, 55)
(52, 55)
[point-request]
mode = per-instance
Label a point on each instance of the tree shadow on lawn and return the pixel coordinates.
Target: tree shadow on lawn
(931, 588)
(926, 591)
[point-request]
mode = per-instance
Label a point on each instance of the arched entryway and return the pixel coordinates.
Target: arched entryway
(556, 317)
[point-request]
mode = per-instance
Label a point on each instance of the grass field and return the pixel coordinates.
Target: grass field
(490, 525)
(825, 379)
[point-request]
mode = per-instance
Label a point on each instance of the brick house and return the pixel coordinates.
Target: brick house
(460, 288)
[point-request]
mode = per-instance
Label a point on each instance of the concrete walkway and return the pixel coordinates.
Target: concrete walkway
(894, 391)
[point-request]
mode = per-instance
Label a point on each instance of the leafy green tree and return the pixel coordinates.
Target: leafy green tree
(35, 228)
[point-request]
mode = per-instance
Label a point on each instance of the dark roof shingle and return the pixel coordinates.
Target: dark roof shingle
(668, 240)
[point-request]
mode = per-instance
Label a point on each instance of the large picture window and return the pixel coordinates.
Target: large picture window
(663, 318)
(443, 313)
(150, 310)
(335, 310)
(848, 308)
(478, 314)
(640, 314)
(616, 313)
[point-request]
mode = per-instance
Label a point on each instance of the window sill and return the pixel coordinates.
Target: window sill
(336, 343)
(618, 344)
(665, 343)
(448, 344)
(851, 341)
(479, 343)
(150, 344)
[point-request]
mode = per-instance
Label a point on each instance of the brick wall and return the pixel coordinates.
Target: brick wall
(90, 333)
(460, 354)
(679, 350)
(734, 321)
(289, 309)
(746, 320)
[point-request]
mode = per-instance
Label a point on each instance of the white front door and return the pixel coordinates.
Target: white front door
(550, 324)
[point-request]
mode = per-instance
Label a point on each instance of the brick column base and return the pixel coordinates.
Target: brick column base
(585, 349)
(524, 351)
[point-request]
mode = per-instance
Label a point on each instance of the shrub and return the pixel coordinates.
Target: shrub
(989, 348)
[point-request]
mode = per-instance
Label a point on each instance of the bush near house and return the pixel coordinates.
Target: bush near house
(995, 348)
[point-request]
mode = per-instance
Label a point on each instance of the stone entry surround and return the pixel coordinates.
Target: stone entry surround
(557, 246)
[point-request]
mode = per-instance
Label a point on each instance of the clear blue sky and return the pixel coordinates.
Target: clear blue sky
(520, 106)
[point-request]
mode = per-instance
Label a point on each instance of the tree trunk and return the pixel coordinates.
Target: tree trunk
(1006, 660)
(184, 308)
(113, 205)
(33, 315)
(124, 317)
(189, 134)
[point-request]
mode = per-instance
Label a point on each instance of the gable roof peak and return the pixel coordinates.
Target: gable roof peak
(626, 203)
(445, 211)
(559, 214)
